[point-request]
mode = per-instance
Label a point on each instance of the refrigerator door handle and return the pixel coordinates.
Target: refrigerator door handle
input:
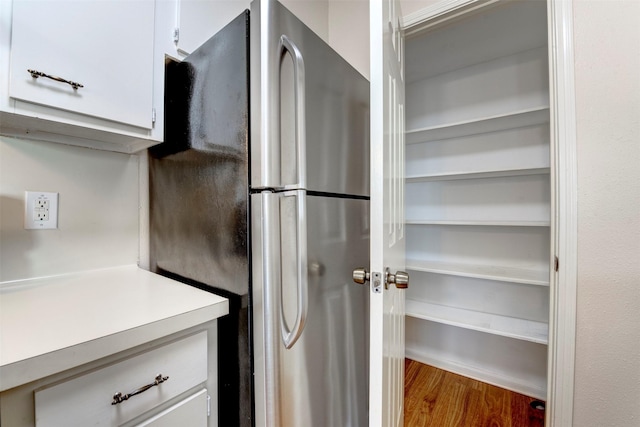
(290, 336)
(270, 230)
(286, 45)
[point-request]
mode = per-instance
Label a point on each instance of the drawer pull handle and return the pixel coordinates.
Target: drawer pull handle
(119, 397)
(35, 74)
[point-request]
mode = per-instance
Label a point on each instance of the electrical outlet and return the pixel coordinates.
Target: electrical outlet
(41, 210)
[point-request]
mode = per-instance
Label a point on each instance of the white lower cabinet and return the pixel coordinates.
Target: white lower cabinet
(120, 392)
(191, 412)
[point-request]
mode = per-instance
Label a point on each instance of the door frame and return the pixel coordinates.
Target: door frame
(564, 192)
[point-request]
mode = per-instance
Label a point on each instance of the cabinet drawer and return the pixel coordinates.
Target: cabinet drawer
(191, 412)
(87, 400)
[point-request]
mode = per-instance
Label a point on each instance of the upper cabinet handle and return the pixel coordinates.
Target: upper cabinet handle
(35, 74)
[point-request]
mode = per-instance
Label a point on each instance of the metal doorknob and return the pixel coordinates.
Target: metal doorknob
(400, 279)
(360, 275)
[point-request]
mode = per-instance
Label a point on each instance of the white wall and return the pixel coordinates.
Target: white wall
(607, 70)
(314, 13)
(349, 32)
(343, 24)
(97, 215)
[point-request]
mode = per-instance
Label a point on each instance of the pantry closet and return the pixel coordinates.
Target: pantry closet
(478, 195)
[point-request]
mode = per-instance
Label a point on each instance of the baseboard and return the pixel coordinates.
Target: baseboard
(473, 372)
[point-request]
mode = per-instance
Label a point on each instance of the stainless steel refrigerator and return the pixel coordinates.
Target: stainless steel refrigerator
(260, 193)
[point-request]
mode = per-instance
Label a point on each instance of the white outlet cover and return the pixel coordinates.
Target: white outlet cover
(37, 216)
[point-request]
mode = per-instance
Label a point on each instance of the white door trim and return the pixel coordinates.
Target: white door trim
(563, 286)
(563, 290)
(441, 11)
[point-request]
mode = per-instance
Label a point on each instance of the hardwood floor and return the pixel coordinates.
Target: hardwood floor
(437, 398)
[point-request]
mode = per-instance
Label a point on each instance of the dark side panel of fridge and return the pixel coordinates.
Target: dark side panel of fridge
(199, 197)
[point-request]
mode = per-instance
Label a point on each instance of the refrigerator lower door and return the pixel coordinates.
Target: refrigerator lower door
(322, 378)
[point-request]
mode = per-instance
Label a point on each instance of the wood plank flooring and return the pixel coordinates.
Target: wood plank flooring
(437, 398)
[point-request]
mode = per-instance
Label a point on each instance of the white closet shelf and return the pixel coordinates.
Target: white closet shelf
(522, 329)
(451, 176)
(489, 272)
(523, 118)
(480, 223)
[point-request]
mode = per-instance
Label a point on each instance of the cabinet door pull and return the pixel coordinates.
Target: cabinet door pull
(35, 74)
(119, 397)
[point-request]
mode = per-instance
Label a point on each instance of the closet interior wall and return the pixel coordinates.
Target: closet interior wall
(478, 196)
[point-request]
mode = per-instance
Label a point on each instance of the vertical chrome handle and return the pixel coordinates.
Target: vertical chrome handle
(270, 263)
(290, 336)
(286, 45)
(270, 275)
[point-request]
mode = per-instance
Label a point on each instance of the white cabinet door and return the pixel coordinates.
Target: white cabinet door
(387, 308)
(106, 46)
(191, 412)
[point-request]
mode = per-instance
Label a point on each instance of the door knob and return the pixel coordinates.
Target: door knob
(360, 275)
(400, 279)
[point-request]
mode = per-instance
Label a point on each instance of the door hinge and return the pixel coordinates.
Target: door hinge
(153, 116)
(556, 264)
(176, 35)
(208, 405)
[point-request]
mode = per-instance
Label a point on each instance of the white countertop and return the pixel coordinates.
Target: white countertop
(48, 325)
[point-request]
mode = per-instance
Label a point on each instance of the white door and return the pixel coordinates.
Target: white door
(387, 215)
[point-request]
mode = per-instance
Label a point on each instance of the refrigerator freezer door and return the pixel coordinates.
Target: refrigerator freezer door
(322, 380)
(310, 109)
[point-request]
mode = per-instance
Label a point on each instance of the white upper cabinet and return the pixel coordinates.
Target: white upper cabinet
(107, 47)
(79, 41)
